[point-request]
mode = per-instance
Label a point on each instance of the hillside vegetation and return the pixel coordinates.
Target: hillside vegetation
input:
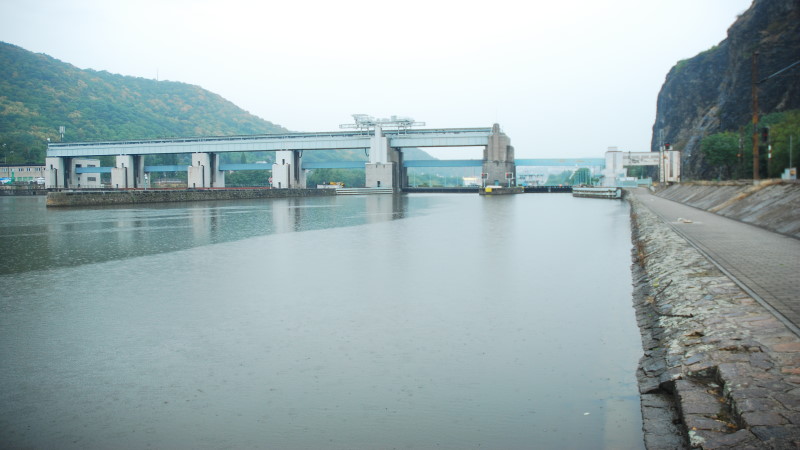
(729, 154)
(39, 93)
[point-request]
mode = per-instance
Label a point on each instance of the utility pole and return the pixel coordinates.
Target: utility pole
(756, 82)
(756, 175)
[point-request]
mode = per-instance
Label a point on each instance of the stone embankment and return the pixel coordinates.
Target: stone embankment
(23, 189)
(719, 370)
(772, 204)
(98, 198)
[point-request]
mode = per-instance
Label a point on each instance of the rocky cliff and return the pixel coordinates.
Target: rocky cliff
(711, 92)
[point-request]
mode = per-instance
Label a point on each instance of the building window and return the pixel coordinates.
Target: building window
(91, 178)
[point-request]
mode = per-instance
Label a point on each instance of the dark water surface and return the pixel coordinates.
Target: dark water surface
(371, 322)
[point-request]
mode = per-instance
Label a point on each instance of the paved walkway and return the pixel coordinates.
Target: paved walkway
(763, 263)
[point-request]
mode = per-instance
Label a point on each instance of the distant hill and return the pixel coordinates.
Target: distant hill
(39, 93)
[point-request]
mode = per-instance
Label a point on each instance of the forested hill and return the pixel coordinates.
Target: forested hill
(39, 93)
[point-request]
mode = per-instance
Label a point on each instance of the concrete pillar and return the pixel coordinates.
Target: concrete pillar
(54, 175)
(498, 159)
(138, 171)
(287, 171)
(217, 176)
(199, 173)
(123, 174)
(385, 164)
(379, 147)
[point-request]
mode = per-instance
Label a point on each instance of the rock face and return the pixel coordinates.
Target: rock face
(712, 91)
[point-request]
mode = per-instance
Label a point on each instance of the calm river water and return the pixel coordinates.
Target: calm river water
(371, 322)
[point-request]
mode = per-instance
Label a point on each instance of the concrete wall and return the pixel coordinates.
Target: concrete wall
(123, 175)
(86, 180)
(54, 172)
(772, 204)
(287, 171)
(379, 175)
(199, 173)
(154, 196)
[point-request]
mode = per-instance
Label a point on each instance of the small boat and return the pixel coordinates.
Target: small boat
(597, 192)
(500, 190)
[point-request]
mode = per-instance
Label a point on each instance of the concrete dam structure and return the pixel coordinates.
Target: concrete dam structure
(67, 162)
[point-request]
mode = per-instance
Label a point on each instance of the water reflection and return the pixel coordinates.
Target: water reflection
(286, 215)
(472, 323)
(66, 237)
(201, 225)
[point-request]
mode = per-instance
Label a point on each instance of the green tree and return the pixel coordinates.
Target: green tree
(560, 179)
(248, 178)
(350, 177)
(721, 151)
(784, 134)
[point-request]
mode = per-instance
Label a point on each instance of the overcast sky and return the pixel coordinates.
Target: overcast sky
(563, 78)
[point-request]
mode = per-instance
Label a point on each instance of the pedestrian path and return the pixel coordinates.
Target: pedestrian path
(765, 264)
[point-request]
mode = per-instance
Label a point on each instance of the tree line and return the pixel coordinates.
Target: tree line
(730, 153)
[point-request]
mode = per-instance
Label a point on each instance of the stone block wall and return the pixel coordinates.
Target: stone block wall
(79, 198)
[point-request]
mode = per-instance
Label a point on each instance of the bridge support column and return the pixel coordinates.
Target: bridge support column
(199, 173)
(217, 176)
(287, 171)
(385, 164)
(55, 176)
(498, 159)
(209, 175)
(128, 172)
(138, 171)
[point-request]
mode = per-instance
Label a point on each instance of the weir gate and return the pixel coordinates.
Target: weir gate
(68, 164)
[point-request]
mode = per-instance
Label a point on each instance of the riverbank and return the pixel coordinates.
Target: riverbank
(719, 370)
(99, 198)
(771, 204)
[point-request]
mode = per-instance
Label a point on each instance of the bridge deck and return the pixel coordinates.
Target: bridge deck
(345, 140)
(417, 163)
